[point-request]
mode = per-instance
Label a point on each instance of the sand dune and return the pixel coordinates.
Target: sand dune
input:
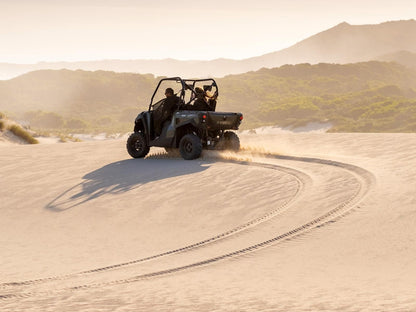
(294, 222)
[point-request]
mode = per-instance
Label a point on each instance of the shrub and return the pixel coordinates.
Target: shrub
(49, 120)
(21, 133)
(75, 123)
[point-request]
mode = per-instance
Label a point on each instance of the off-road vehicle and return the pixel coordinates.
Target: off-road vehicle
(188, 130)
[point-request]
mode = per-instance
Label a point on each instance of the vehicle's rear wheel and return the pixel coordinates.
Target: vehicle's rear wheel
(190, 146)
(230, 141)
(136, 145)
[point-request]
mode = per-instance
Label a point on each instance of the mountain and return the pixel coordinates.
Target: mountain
(342, 44)
(346, 43)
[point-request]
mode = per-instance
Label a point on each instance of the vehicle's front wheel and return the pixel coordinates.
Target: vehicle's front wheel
(136, 145)
(190, 147)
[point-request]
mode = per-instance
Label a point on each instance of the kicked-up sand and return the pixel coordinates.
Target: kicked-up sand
(294, 222)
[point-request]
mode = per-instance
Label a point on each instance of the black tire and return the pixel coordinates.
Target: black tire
(230, 141)
(190, 147)
(136, 145)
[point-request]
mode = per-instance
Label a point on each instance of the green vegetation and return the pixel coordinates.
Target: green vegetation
(360, 97)
(22, 133)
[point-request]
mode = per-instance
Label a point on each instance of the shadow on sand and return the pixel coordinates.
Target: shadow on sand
(121, 177)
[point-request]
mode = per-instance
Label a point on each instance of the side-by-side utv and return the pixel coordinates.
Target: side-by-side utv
(188, 128)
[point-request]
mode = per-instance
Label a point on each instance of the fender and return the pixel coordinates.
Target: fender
(142, 123)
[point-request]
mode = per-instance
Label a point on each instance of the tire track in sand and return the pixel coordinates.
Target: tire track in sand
(301, 181)
(364, 178)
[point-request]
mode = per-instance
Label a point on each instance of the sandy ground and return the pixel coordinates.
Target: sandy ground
(296, 222)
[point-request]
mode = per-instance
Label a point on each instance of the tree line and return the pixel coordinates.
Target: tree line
(359, 97)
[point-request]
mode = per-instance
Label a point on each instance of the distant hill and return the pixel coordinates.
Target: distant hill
(165, 67)
(360, 97)
(341, 44)
(403, 57)
(75, 92)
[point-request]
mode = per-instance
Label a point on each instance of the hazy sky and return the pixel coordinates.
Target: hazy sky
(69, 30)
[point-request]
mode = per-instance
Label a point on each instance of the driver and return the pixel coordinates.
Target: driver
(171, 101)
(170, 104)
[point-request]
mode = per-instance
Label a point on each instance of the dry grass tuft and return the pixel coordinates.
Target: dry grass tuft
(23, 134)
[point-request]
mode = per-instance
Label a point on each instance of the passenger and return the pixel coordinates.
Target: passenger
(212, 100)
(201, 103)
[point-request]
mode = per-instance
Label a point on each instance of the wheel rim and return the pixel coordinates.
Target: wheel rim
(138, 145)
(188, 146)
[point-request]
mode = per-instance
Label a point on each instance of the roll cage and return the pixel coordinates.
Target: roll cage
(186, 92)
